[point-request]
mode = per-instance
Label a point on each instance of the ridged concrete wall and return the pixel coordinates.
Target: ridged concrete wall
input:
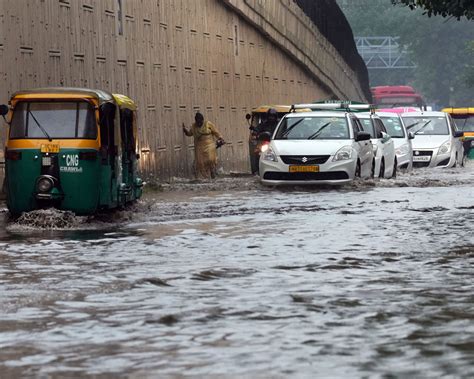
(174, 57)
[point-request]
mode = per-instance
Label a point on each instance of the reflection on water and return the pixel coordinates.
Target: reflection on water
(370, 280)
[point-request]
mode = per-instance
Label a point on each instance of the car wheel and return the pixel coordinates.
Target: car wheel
(394, 172)
(357, 171)
(382, 169)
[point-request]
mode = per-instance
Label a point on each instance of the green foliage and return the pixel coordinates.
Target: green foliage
(435, 44)
(444, 8)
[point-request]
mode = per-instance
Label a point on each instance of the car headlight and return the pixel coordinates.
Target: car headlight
(445, 148)
(264, 147)
(403, 149)
(269, 155)
(343, 154)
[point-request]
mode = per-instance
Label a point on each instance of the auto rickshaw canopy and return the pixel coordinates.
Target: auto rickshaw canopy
(266, 108)
(55, 93)
(459, 111)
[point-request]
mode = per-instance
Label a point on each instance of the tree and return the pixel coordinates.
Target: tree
(436, 45)
(445, 8)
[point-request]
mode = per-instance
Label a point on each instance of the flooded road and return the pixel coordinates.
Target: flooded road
(374, 279)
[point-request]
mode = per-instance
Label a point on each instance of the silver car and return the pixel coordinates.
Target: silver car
(402, 139)
(437, 141)
(323, 147)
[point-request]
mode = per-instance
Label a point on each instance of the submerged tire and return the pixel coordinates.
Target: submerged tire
(357, 171)
(394, 172)
(382, 169)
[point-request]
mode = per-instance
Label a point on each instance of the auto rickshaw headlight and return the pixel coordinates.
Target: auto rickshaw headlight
(44, 184)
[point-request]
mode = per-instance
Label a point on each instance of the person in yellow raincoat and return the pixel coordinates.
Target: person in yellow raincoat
(205, 136)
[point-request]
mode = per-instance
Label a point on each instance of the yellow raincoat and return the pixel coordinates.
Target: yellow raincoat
(205, 151)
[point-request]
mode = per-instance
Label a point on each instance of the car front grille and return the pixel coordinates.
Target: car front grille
(304, 159)
(422, 152)
(305, 176)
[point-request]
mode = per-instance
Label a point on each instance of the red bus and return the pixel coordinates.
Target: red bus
(396, 96)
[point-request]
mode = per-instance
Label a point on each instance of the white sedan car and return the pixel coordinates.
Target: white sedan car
(317, 148)
(437, 141)
(385, 159)
(401, 139)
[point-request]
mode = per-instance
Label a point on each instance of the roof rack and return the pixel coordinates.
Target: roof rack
(339, 105)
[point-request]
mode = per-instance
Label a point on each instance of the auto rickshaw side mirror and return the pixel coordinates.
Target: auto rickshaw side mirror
(4, 109)
(265, 137)
(137, 156)
(248, 116)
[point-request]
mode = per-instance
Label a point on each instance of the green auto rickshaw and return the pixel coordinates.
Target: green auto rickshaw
(70, 148)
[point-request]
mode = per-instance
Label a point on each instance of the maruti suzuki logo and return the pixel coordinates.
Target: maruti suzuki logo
(304, 160)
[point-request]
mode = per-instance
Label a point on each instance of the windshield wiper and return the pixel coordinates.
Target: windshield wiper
(318, 132)
(424, 126)
(287, 131)
(39, 125)
(412, 125)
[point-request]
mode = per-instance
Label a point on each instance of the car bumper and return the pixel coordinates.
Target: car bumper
(436, 160)
(404, 160)
(278, 173)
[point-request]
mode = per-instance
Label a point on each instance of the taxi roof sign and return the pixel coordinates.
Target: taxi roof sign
(339, 105)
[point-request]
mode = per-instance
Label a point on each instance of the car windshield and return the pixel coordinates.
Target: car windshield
(394, 127)
(423, 125)
(53, 120)
(368, 126)
(313, 128)
(464, 122)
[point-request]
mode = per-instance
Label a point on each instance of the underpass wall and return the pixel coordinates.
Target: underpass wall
(174, 57)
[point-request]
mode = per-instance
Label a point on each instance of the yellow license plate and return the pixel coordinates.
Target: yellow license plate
(50, 148)
(304, 168)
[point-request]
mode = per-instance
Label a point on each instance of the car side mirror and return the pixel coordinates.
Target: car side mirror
(362, 136)
(458, 134)
(385, 137)
(265, 137)
(411, 135)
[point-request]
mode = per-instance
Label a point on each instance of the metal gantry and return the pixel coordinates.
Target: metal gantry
(383, 53)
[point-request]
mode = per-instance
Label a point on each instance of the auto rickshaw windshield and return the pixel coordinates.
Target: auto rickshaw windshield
(59, 120)
(464, 122)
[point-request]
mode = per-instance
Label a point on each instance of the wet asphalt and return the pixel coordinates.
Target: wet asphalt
(231, 279)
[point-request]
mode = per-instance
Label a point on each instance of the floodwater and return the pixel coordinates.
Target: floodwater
(370, 280)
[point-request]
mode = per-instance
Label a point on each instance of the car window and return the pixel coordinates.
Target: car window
(393, 126)
(379, 128)
(313, 128)
(368, 126)
(355, 126)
